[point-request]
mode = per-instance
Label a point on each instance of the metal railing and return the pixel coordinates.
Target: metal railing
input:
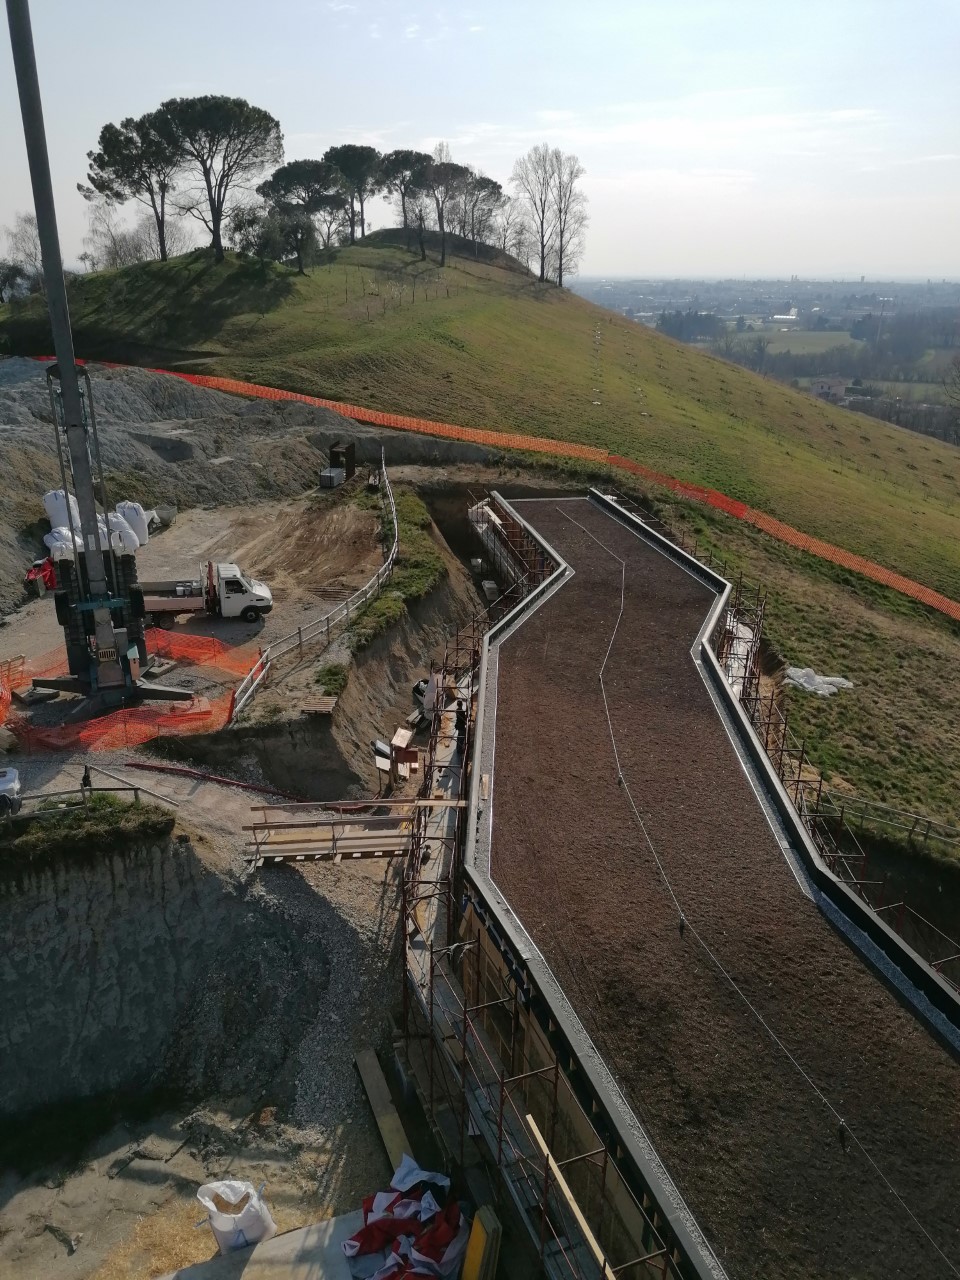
(321, 628)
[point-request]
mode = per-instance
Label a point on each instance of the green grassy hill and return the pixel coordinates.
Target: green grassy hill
(482, 344)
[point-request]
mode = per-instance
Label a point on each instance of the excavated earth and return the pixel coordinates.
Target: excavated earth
(737, 1117)
(164, 440)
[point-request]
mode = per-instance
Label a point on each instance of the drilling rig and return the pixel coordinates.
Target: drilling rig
(98, 603)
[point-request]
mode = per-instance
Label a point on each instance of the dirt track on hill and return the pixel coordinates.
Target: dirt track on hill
(752, 1147)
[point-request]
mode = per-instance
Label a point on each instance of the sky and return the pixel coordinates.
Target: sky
(719, 137)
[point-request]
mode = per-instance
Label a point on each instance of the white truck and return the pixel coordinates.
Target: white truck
(228, 592)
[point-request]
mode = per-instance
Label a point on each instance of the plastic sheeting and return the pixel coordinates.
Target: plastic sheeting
(823, 686)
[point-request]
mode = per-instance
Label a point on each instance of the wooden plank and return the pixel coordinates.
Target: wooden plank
(350, 806)
(606, 1271)
(320, 707)
(384, 1112)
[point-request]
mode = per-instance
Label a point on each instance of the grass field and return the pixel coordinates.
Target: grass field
(485, 345)
(802, 342)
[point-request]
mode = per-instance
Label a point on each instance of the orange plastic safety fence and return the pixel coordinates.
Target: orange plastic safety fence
(542, 444)
(401, 422)
(130, 727)
(4, 701)
(200, 650)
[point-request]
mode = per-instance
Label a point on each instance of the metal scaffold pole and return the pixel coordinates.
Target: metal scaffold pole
(108, 670)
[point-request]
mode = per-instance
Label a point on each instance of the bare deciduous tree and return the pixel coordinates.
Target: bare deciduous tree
(23, 242)
(532, 179)
(108, 243)
(569, 212)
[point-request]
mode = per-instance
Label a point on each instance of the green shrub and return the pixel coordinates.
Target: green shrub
(333, 678)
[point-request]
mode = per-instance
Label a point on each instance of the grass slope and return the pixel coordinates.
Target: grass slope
(482, 344)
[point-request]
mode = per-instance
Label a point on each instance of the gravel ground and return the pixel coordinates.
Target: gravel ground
(754, 1149)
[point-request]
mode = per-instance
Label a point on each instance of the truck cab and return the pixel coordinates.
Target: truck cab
(238, 595)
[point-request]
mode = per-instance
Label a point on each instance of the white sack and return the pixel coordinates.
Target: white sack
(60, 544)
(236, 1230)
(55, 505)
(123, 537)
(137, 519)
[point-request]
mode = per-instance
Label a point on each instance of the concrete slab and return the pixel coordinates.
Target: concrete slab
(311, 1253)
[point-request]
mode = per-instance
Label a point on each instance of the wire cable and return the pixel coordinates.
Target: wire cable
(685, 922)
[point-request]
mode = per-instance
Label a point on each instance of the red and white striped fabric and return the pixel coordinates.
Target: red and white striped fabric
(407, 1228)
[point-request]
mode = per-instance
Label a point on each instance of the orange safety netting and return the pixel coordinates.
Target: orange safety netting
(400, 422)
(542, 444)
(132, 726)
(201, 650)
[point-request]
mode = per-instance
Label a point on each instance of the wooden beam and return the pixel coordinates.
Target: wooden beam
(384, 1112)
(606, 1271)
(356, 806)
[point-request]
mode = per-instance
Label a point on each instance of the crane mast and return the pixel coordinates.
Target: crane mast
(93, 609)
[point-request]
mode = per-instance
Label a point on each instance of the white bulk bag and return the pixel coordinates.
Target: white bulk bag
(60, 544)
(248, 1221)
(136, 518)
(55, 505)
(122, 537)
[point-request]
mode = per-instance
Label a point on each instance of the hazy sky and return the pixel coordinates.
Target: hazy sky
(719, 136)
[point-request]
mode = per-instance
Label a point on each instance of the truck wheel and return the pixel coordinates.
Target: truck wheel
(250, 615)
(6, 806)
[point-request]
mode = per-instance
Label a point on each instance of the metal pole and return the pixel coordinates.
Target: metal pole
(28, 86)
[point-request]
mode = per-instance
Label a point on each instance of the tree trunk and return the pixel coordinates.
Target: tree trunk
(218, 254)
(363, 224)
(543, 256)
(161, 216)
(353, 219)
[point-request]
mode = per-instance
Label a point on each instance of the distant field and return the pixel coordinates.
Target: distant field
(804, 342)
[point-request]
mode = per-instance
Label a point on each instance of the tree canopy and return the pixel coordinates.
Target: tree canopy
(226, 143)
(298, 191)
(359, 169)
(139, 160)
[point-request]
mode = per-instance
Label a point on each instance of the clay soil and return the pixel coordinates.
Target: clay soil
(754, 1150)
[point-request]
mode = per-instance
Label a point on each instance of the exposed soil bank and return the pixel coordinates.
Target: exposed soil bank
(144, 967)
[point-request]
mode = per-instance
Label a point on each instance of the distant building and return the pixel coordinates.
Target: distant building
(831, 389)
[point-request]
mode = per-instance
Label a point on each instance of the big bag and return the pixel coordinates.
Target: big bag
(237, 1214)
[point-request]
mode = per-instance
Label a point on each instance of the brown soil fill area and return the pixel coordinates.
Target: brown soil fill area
(753, 1149)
